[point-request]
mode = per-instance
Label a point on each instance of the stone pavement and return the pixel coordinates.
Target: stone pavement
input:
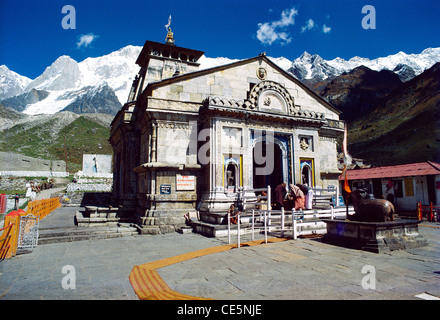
(293, 269)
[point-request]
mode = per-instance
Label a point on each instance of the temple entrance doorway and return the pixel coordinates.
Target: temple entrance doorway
(265, 174)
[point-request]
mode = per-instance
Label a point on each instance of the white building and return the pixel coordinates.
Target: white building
(406, 184)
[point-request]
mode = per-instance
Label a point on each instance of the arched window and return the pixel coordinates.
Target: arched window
(231, 173)
(307, 175)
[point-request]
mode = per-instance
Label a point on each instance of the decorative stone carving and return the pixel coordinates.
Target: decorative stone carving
(267, 101)
(304, 144)
(261, 73)
(254, 95)
(272, 101)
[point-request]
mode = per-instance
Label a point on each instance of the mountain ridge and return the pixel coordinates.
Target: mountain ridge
(359, 87)
(356, 91)
(118, 69)
(404, 126)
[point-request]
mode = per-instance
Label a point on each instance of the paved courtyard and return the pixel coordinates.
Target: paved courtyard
(293, 269)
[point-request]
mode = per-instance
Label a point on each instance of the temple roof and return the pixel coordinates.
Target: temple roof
(152, 48)
(203, 72)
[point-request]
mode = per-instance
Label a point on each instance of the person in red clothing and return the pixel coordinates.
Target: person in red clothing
(280, 193)
(297, 196)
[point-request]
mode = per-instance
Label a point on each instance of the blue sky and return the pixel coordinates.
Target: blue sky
(32, 36)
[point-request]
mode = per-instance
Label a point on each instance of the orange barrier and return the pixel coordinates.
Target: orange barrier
(148, 285)
(9, 237)
(3, 203)
(41, 208)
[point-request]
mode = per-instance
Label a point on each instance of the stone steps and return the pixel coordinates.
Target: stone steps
(57, 235)
(221, 230)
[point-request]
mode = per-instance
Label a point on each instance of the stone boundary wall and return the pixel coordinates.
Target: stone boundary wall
(14, 162)
(94, 175)
(33, 174)
(96, 187)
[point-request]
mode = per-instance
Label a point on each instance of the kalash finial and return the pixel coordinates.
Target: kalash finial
(169, 39)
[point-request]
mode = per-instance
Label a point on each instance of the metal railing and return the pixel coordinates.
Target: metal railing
(430, 211)
(287, 223)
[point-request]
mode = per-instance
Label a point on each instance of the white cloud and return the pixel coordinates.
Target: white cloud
(309, 25)
(270, 32)
(86, 39)
(326, 29)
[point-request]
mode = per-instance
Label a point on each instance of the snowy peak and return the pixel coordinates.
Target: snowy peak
(417, 62)
(99, 99)
(61, 75)
(68, 82)
(309, 66)
(207, 63)
(117, 69)
(66, 79)
(11, 83)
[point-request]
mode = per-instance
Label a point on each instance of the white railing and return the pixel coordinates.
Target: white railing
(288, 223)
(326, 196)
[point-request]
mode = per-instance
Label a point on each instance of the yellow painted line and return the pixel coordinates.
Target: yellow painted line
(424, 225)
(148, 285)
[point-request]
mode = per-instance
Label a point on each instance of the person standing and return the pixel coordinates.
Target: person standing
(17, 201)
(297, 196)
(280, 193)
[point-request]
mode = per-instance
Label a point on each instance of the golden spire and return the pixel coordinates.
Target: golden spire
(169, 39)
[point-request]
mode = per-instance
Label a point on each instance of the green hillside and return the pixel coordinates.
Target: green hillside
(402, 128)
(42, 141)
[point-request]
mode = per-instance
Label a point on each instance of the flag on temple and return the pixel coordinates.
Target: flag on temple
(344, 172)
(169, 23)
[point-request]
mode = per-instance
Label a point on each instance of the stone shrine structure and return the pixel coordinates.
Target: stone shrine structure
(188, 140)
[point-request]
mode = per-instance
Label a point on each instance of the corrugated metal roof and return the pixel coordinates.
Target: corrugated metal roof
(403, 170)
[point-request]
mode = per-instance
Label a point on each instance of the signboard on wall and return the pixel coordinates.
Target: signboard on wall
(165, 189)
(185, 182)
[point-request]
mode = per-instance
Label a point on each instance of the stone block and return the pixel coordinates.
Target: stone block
(151, 230)
(167, 228)
(176, 88)
(216, 90)
(195, 97)
(376, 237)
(172, 96)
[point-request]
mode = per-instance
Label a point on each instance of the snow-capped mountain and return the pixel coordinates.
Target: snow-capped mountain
(309, 66)
(11, 83)
(314, 67)
(63, 74)
(65, 81)
(117, 69)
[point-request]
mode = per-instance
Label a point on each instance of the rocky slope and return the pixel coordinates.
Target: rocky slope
(404, 126)
(356, 91)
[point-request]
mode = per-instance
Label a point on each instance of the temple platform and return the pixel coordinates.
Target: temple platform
(378, 237)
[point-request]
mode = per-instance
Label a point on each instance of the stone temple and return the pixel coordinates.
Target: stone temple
(188, 140)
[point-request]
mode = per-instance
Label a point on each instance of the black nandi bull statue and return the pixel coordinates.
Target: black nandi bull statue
(370, 210)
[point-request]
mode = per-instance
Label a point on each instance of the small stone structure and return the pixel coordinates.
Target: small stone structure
(378, 237)
(98, 217)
